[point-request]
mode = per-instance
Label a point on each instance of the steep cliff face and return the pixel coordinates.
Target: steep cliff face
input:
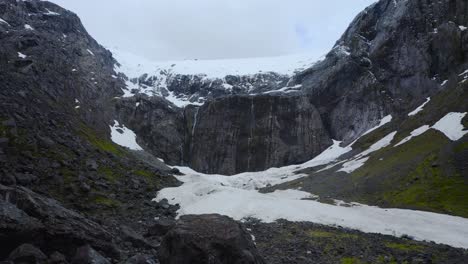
(394, 54)
(251, 133)
(57, 97)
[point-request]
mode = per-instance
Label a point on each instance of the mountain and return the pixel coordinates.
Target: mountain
(88, 137)
(387, 62)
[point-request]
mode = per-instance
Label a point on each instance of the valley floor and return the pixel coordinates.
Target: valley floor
(303, 243)
(238, 197)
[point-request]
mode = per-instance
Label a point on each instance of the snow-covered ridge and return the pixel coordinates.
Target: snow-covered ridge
(196, 81)
(135, 66)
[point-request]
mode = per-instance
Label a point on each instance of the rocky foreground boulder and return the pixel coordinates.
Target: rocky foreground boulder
(208, 239)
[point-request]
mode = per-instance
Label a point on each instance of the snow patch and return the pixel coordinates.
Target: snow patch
(451, 126)
(414, 133)
(124, 136)
(22, 56)
(462, 28)
(28, 27)
(51, 13)
(90, 52)
(420, 108)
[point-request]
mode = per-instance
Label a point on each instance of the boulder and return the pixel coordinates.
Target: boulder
(208, 239)
(27, 253)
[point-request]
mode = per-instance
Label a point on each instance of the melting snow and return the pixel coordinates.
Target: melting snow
(451, 126)
(420, 108)
(21, 55)
(124, 136)
(414, 133)
(237, 197)
(359, 160)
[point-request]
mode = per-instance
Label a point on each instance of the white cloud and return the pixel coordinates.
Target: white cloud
(211, 29)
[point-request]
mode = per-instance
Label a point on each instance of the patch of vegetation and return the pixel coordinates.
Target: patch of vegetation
(150, 177)
(404, 246)
(99, 142)
(68, 175)
(328, 234)
(106, 201)
(351, 260)
(112, 174)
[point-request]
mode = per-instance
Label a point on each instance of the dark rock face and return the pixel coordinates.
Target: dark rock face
(251, 133)
(211, 239)
(393, 55)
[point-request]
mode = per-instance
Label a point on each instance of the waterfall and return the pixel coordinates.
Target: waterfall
(195, 121)
(252, 125)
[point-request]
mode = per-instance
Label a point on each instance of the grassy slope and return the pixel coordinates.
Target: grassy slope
(427, 173)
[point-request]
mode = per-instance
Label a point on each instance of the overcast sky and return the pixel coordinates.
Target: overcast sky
(215, 29)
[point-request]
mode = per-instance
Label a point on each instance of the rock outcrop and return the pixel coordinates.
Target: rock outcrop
(212, 239)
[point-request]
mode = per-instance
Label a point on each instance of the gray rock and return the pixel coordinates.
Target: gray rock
(205, 239)
(161, 226)
(133, 237)
(57, 258)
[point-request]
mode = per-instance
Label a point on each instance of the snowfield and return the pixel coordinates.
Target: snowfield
(238, 197)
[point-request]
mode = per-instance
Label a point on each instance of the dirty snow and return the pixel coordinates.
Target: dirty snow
(414, 133)
(420, 108)
(237, 196)
(126, 138)
(451, 125)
